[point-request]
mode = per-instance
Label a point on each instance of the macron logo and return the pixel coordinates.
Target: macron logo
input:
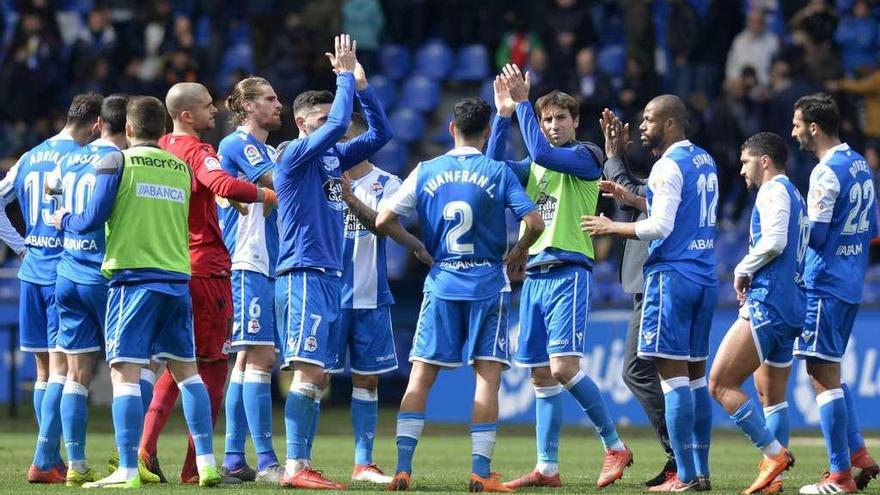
(156, 191)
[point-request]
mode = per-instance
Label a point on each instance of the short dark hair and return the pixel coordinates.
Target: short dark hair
(820, 109)
(770, 144)
(471, 116)
(358, 123)
(146, 114)
(113, 112)
(309, 99)
(84, 109)
(558, 99)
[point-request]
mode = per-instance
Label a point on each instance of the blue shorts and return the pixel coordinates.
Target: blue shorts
(81, 312)
(144, 324)
(553, 311)
(774, 338)
(306, 305)
(253, 300)
(676, 317)
(827, 326)
(367, 337)
(37, 318)
(447, 328)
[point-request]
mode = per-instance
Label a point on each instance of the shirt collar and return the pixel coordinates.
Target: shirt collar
(832, 151)
(61, 136)
(464, 150)
(106, 143)
(679, 144)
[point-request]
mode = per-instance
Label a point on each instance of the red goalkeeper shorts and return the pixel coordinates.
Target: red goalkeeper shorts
(212, 316)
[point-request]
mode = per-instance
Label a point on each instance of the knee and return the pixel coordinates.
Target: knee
(81, 376)
(717, 388)
(564, 371)
(366, 382)
(541, 377)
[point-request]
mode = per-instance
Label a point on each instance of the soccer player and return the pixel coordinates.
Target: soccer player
(252, 240)
(38, 320)
(363, 329)
(560, 176)
(308, 284)
(80, 289)
(144, 189)
(192, 111)
(460, 198)
(842, 208)
(769, 285)
(680, 282)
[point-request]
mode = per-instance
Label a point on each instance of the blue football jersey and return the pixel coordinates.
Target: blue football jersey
(251, 239)
(365, 271)
(779, 284)
(83, 253)
(841, 195)
(26, 181)
(461, 198)
(690, 247)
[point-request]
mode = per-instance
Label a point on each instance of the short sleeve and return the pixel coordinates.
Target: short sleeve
(824, 189)
(515, 196)
(7, 185)
(403, 202)
(392, 185)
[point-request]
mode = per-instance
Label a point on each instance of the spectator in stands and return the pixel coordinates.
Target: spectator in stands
(569, 28)
(858, 36)
(407, 20)
(97, 39)
(868, 88)
(639, 86)
(593, 91)
(682, 36)
(813, 29)
(364, 20)
(722, 21)
(753, 47)
(517, 43)
(544, 80)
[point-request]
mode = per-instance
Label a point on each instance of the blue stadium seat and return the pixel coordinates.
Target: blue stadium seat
(385, 90)
(408, 125)
(421, 93)
(612, 60)
(394, 60)
(472, 64)
(393, 157)
(239, 56)
(434, 60)
(202, 31)
(487, 92)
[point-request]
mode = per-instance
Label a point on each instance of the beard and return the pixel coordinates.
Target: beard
(651, 142)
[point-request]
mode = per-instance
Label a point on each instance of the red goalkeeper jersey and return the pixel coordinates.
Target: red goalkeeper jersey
(208, 255)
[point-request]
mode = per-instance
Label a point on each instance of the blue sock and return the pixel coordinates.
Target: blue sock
(236, 423)
(197, 411)
(702, 425)
(257, 398)
(48, 451)
(409, 430)
(679, 403)
(548, 422)
(147, 382)
(853, 430)
(298, 419)
(483, 441)
(586, 393)
(316, 416)
(39, 393)
(74, 418)
(832, 418)
(364, 414)
(128, 422)
(778, 422)
(750, 422)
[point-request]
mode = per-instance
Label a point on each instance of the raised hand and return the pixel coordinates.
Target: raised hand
(615, 133)
(503, 102)
(517, 85)
(344, 59)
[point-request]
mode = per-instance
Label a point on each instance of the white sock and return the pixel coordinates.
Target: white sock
(772, 449)
(547, 468)
(293, 466)
(205, 460)
(126, 474)
(618, 446)
(80, 466)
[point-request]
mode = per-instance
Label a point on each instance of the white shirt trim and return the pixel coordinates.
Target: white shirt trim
(665, 182)
(774, 209)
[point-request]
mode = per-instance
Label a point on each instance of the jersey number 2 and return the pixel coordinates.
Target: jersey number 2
(459, 211)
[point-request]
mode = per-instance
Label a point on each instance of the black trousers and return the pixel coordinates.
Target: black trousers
(640, 376)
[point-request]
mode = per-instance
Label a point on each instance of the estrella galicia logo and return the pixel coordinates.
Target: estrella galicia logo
(547, 207)
(333, 192)
(353, 226)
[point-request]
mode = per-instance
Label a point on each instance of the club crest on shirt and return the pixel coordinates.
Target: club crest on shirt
(377, 188)
(330, 162)
(252, 154)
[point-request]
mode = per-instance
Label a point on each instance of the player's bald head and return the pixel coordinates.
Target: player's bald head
(185, 96)
(669, 107)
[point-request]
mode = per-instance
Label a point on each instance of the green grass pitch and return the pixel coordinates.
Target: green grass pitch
(442, 462)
